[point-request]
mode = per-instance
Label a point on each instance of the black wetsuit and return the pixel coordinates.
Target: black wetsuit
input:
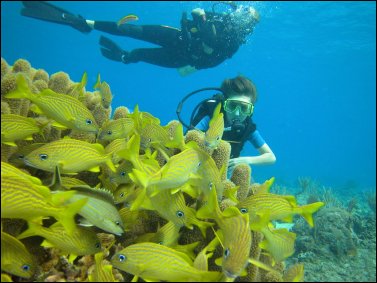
(180, 48)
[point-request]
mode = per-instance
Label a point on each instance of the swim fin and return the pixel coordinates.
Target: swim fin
(112, 51)
(45, 11)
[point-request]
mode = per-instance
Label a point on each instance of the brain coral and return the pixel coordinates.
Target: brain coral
(21, 65)
(59, 82)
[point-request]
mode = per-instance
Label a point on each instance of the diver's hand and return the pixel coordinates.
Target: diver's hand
(236, 161)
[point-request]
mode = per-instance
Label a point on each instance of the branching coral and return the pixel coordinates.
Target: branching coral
(241, 177)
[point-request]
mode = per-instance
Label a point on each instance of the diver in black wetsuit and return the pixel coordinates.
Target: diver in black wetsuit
(203, 42)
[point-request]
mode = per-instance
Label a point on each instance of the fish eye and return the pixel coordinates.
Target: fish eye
(199, 164)
(226, 252)
(103, 99)
(21, 156)
(160, 243)
(109, 132)
(243, 210)
(218, 138)
(122, 173)
(121, 195)
(121, 257)
(25, 267)
(98, 245)
(179, 213)
(43, 156)
(210, 186)
(88, 121)
(117, 223)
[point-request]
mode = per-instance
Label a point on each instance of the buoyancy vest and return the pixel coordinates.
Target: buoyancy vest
(235, 137)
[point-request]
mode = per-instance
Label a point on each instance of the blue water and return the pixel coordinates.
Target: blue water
(314, 65)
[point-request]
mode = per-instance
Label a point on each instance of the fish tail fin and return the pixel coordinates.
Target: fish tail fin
(67, 217)
(139, 177)
(22, 90)
(131, 152)
(109, 161)
(203, 226)
(307, 211)
(98, 82)
(139, 200)
(211, 208)
(32, 230)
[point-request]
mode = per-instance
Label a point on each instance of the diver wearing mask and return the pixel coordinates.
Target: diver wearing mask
(238, 98)
(205, 41)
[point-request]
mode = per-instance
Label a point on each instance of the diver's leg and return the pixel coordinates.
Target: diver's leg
(162, 35)
(170, 58)
(48, 12)
(157, 56)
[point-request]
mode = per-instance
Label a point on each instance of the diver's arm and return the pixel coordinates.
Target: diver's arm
(266, 157)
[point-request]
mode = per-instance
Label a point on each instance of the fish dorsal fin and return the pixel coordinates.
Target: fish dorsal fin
(291, 200)
(101, 193)
(219, 236)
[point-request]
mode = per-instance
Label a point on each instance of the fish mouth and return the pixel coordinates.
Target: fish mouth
(207, 144)
(230, 274)
(28, 163)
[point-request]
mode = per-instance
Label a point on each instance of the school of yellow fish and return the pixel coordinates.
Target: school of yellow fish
(70, 173)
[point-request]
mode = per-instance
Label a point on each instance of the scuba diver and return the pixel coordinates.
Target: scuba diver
(203, 42)
(237, 97)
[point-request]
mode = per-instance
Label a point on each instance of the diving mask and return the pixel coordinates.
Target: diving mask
(245, 108)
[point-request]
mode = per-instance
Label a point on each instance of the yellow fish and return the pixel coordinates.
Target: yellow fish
(70, 155)
(209, 177)
(120, 176)
(82, 242)
(102, 272)
(15, 258)
(126, 193)
(280, 243)
(201, 260)
(148, 165)
(10, 170)
(105, 92)
(127, 19)
(154, 262)
(213, 135)
(21, 198)
(173, 174)
(167, 235)
(17, 158)
(115, 146)
(278, 207)
(295, 273)
(116, 129)
(16, 127)
(99, 210)
(173, 208)
(65, 110)
(236, 236)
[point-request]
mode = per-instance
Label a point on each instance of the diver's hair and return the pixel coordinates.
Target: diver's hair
(240, 85)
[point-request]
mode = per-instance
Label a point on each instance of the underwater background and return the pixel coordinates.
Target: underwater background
(313, 63)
